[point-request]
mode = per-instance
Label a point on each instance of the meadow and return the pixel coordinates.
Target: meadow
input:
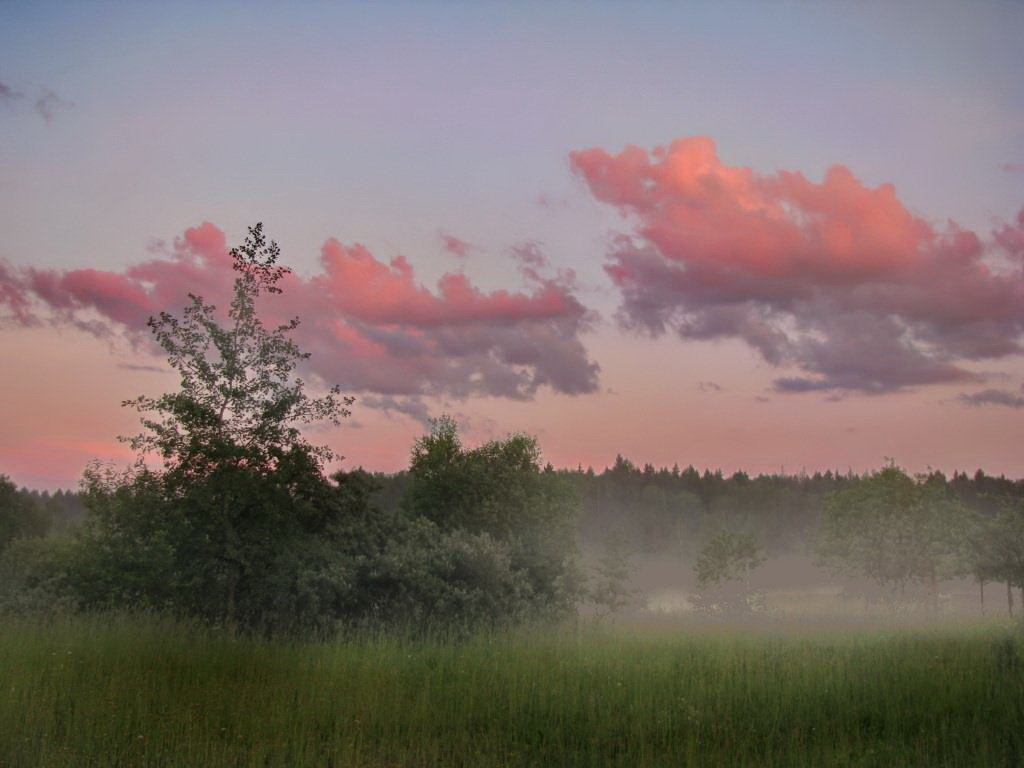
(141, 691)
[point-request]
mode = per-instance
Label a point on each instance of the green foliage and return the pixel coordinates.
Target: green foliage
(34, 576)
(727, 556)
(670, 511)
(239, 403)
(426, 578)
(986, 549)
(723, 568)
(309, 555)
(1010, 551)
(895, 530)
(996, 545)
(666, 511)
(499, 490)
(497, 487)
(610, 591)
(241, 546)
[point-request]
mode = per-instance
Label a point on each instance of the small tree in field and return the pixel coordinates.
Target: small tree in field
(610, 591)
(240, 403)
(729, 556)
(226, 529)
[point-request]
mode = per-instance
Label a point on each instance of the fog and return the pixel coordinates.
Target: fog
(798, 594)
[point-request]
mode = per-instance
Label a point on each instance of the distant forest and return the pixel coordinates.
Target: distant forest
(661, 510)
(672, 511)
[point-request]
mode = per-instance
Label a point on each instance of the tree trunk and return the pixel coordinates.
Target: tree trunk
(935, 590)
(229, 608)
(1009, 598)
(981, 584)
(231, 548)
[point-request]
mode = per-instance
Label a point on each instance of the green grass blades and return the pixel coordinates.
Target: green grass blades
(124, 691)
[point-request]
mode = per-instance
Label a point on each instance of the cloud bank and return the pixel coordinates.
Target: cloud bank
(835, 280)
(370, 326)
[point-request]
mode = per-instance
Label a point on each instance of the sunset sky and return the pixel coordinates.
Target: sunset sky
(740, 236)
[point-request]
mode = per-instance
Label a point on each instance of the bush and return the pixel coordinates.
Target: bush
(500, 490)
(35, 576)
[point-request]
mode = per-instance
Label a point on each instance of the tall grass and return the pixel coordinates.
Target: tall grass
(144, 692)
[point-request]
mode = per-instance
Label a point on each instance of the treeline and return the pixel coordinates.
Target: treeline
(661, 510)
(673, 511)
(30, 512)
(486, 535)
(900, 536)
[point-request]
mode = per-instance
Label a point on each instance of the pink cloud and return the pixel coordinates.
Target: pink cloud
(371, 327)
(834, 278)
(102, 302)
(1011, 237)
(375, 292)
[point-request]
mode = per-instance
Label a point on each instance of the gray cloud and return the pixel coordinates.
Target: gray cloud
(993, 397)
(49, 104)
(412, 407)
(7, 93)
(142, 368)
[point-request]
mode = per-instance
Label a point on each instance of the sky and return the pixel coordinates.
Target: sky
(758, 236)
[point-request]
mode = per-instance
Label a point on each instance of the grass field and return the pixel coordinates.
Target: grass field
(144, 692)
